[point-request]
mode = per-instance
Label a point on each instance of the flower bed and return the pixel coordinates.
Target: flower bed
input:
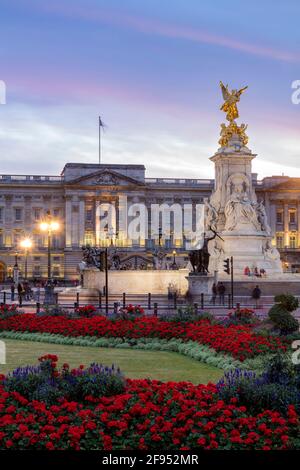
(147, 415)
(238, 341)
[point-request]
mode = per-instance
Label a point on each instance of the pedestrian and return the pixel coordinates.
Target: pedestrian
(20, 293)
(214, 292)
(221, 291)
(38, 292)
(12, 290)
(256, 294)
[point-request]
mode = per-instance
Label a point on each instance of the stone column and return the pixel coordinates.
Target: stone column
(81, 220)
(68, 221)
(272, 217)
(298, 223)
(286, 223)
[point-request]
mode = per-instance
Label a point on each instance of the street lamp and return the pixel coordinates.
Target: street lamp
(26, 244)
(174, 265)
(49, 226)
(16, 269)
(109, 235)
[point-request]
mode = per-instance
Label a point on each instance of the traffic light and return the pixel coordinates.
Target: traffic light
(227, 266)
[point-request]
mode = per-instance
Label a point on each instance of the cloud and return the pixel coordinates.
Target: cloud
(155, 27)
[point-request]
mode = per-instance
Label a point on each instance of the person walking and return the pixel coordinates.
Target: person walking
(256, 294)
(20, 293)
(12, 291)
(221, 291)
(214, 292)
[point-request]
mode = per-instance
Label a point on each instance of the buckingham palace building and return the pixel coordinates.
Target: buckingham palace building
(73, 197)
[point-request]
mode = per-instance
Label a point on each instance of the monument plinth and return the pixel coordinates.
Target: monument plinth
(233, 210)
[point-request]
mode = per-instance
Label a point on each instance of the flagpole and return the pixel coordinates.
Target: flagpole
(99, 140)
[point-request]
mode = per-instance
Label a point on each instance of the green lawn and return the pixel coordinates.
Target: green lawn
(133, 363)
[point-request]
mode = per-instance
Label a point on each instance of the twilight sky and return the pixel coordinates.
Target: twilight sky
(151, 69)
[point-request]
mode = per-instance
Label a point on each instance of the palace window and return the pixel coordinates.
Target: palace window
(292, 216)
(37, 214)
(18, 214)
(89, 215)
(56, 271)
(36, 271)
(293, 241)
(89, 238)
(279, 240)
(279, 217)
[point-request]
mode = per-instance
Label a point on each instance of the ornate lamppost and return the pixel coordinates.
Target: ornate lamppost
(26, 244)
(50, 226)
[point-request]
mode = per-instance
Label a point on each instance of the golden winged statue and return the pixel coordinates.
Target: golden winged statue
(230, 100)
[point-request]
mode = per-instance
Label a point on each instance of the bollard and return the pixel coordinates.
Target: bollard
(175, 300)
(77, 298)
(155, 310)
(75, 305)
(238, 306)
(56, 298)
(124, 300)
(100, 301)
(115, 307)
(38, 307)
(195, 308)
(202, 301)
(4, 297)
(149, 301)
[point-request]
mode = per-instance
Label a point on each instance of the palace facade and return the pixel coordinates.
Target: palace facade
(73, 198)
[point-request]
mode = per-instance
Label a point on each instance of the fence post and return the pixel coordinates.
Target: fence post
(149, 301)
(4, 297)
(155, 310)
(175, 300)
(77, 298)
(100, 301)
(56, 298)
(115, 307)
(229, 300)
(124, 300)
(195, 308)
(38, 307)
(238, 306)
(202, 300)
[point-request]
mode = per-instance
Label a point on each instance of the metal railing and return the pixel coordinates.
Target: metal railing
(157, 304)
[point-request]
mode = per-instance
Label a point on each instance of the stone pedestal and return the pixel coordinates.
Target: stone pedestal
(237, 216)
(200, 284)
(137, 282)
(249, 249)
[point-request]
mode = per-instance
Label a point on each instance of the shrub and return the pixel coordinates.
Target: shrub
(7, 311)
(287, 301)
(241, 316)
(280, 314)
(130, 312)
(87, 311)
(276, 388)
(188, 314)
(47, 383)
(52, 311)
